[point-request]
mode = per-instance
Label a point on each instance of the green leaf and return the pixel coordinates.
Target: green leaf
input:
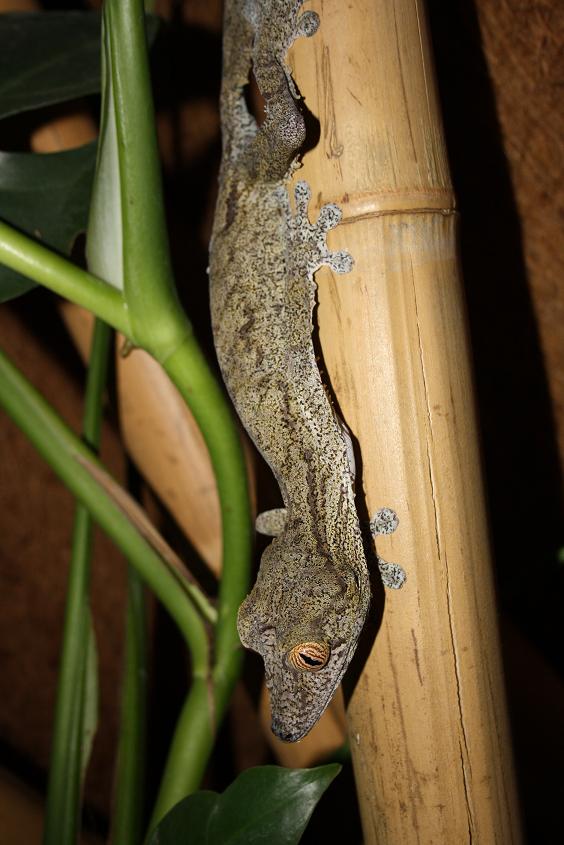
(267, 805)
(47, 196)
(47, 58)
(50, 57)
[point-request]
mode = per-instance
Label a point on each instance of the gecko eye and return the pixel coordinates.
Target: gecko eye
(309, 657)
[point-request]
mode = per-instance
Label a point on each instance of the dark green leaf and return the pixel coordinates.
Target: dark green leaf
(46, 196)
(188, 821)
(46, 58)
(50, 57)
(268, 805)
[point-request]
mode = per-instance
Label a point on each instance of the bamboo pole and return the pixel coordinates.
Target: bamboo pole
(427, 719)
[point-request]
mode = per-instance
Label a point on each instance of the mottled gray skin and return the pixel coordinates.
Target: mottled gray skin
(313, 579)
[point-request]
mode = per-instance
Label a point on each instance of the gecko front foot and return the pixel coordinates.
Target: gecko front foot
(310, 238)
(385, 521)
(306, 26)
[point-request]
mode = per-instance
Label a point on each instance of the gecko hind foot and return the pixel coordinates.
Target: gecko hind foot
(307, 25)
(385, 521)
(311, 237)
(392, 574)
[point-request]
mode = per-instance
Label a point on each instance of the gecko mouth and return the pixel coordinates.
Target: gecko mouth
(281, 730)
(285, 736)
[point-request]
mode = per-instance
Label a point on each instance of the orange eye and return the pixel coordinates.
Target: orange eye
(309, 657)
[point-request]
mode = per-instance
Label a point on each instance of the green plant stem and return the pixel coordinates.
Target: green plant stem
(204, 707)
(45, 267)
(147, 271)
(153, 319)
(128, 816)
(149, 291)
(61, 449)
(189, 751)
(62, 812)
(191, 374)
(96, 383)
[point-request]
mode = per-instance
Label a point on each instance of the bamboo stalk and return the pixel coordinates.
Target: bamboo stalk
(427, 719)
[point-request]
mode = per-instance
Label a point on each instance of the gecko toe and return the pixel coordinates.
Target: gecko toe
(392, 574)
(302, 193)
(384, 521)
(307, 25)
(311, 237)
(340, 262)
(329, 217)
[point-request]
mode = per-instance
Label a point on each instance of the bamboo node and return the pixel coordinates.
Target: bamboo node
(372, 204)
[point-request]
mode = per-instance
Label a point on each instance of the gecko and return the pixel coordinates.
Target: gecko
(312, 592)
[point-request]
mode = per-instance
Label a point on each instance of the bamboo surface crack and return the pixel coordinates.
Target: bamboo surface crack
(416, 656)
(428, 435)
(404, 99)
(333, 143)
(398, 212)
(463, 745)
(422, 42)
(416, 796)
(467, 800)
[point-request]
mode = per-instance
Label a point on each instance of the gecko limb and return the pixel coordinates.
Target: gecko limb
(309, 239)
(385, 521)
(392, 574)
(273, 150)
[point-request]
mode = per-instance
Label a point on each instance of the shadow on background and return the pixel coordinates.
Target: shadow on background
(518, 432)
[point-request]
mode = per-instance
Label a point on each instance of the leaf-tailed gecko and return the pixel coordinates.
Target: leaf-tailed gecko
(310, 599)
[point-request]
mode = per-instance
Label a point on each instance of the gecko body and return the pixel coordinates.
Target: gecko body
(312, 592)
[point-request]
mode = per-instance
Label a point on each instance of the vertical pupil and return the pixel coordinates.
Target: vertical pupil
(311, 661)
(309, 656)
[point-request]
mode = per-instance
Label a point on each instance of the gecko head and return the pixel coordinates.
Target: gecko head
(304, 621)
(300, 692)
